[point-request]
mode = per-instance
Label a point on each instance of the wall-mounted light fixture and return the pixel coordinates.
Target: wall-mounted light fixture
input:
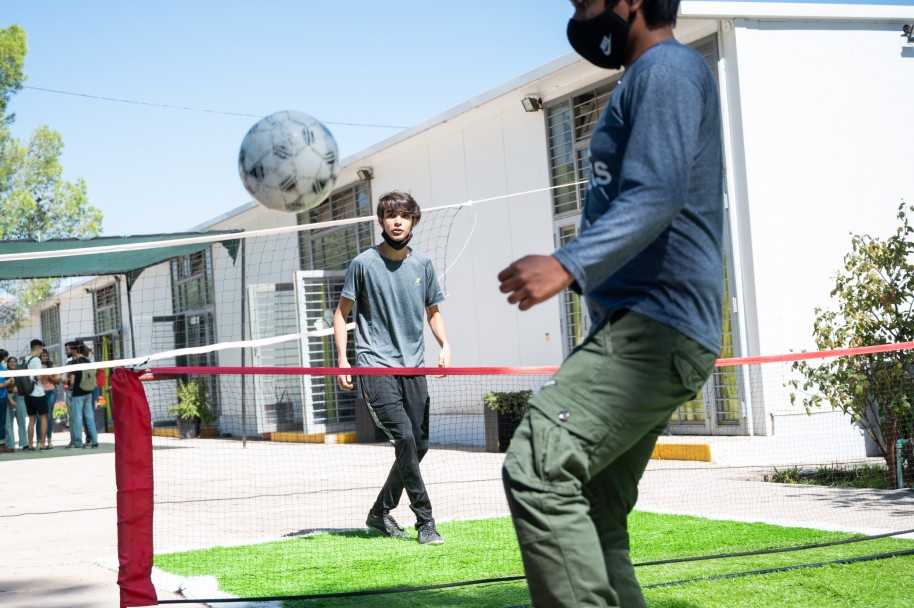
(532, 104)
(365, 173)
(909, 32)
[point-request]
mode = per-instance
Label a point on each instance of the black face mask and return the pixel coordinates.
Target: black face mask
(397, 245)
(601, 40)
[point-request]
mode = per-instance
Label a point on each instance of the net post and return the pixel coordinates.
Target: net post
(244, 336)
(899, 446)
(134, 478)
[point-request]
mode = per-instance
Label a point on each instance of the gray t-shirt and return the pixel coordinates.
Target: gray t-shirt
(390, 301)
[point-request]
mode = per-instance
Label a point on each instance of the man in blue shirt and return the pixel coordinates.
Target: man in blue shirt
(648, 259)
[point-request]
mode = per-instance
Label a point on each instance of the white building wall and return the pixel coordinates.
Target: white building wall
(822, 108)
(150, 297)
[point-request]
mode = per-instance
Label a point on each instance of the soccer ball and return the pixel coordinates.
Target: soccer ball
(289, 162)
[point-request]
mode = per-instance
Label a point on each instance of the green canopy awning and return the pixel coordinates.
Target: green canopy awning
(130, 262)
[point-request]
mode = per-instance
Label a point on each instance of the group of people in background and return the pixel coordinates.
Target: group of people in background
(27, 402)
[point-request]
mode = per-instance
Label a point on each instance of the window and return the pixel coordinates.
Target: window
(570, 125)
(192, 278)
(325, 253)
(723, 385)
(726, 388)
(575, 320)
(193, 323)
(327, 404)
(332, 248)
(50, 332)
(106, 308)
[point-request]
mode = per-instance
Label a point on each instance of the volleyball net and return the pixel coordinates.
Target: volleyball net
(287, 503)
(266, 494)
(218, 298)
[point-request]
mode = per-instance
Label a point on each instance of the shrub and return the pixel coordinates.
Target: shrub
(192, 403)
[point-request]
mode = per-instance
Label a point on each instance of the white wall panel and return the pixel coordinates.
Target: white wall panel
(823, 109)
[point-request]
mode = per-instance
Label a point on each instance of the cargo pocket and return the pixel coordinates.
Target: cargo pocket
(565, 436)
(544, 457)
(693, 364)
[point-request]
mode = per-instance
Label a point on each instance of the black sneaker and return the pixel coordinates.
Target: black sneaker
(428, 535)
(385, 524)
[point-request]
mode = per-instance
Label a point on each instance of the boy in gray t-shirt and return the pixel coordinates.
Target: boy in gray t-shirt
(393, 288)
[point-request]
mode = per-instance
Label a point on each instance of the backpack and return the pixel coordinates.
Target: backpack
(87, 379)
(25, 384)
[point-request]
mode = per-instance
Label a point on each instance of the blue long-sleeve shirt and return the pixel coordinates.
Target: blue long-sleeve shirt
(651, 231)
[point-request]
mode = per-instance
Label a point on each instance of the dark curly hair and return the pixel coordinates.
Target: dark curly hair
(399, 202)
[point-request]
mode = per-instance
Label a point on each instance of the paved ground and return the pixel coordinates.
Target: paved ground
(58, 521)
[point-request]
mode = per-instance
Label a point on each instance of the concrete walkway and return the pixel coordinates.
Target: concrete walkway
(58, 519)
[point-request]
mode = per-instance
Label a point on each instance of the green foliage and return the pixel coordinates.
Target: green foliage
(37, 202)
(23, 295)
(875, 298)
(192, 403)
(790, 475)
(12, 53)
(511, 404)
(855, 476)
(59, 411)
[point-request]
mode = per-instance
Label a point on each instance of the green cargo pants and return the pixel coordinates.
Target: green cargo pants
(572, 471)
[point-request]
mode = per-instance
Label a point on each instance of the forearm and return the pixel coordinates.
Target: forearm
(340, 336)
(436, 323)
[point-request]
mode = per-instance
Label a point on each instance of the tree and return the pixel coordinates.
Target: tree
(12, 53)
(37, 202)
(875, 298)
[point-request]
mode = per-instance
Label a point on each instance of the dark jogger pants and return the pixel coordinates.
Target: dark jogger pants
(399, 406)
(572, 471)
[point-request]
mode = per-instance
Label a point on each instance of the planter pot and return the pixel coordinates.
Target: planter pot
(101, 419)
(282, 415)
(499, 429)
(188, 428)
(499, 425)
(60, 425)
(507, 424)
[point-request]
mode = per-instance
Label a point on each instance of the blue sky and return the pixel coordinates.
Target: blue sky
(154, 169)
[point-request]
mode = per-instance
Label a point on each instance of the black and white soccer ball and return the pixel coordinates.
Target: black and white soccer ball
(289, 161)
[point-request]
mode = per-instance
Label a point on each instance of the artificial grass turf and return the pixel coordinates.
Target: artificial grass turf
(355, 560)
(485, 549)
(882, 583)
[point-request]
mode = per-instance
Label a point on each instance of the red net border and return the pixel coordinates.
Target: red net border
(157, 372)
